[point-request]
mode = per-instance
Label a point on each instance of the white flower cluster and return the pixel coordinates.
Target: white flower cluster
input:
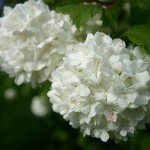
(102, 88)
(39, 106)
(33, 41)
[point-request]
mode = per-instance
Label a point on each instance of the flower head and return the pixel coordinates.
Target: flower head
(101, 88)
(39, 106)
(33, 41)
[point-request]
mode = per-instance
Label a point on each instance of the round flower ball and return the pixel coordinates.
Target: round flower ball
(102, 88)
(33, 41)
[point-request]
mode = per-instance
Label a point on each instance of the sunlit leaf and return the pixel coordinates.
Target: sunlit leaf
(140, 35)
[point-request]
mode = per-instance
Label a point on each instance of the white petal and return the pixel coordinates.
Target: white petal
(104, 136)
(142, 77)
(85, 109)
(107, 39)
(131, 97)
(87, 131)
(20, 79)
(123, 132)
(100, 96)
(138, 52)
(83, 90)
(114, 59)
(111, 97)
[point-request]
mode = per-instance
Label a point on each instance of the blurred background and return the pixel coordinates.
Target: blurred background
(27, 121)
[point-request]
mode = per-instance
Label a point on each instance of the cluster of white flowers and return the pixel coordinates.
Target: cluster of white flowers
(33, 41)
(39, 106)
(99, 86)
(102, 88)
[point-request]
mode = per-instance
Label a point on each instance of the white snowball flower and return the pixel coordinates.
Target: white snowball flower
(10, 94)
(39, 107)
(33, 41)
(102, 88)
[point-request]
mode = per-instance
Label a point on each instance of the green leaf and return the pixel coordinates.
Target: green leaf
(79, 13)
(109, 18)
(140, 35)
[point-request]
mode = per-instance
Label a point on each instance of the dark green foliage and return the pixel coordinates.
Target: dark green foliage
(139, 15)
(109, 18)
(13, 2)
(140, 3)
